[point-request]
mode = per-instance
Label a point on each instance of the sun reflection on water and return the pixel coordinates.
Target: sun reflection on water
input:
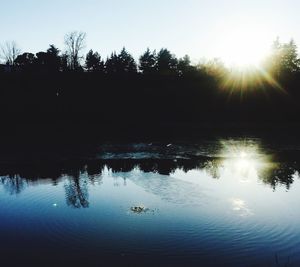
(246, 160)
(240, 206)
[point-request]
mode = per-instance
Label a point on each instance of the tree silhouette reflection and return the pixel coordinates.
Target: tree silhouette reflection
(13, 184)
(77, 192)
(78, 174)
(284, 175)
(213, 167)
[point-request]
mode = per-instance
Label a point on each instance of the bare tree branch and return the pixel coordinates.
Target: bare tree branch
(75, 43)
(9, 52)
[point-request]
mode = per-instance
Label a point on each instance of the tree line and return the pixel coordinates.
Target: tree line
(283, 60)
(159, 87)
(123, 62)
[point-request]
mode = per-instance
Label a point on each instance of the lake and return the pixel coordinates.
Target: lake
(230, 201)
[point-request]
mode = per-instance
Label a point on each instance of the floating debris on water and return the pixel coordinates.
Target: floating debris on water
(139, 209)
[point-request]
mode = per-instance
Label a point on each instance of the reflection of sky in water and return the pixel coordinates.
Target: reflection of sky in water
(221, 209)
(240, 168)
(240, 206)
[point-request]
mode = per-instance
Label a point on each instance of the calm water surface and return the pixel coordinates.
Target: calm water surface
(228, 202)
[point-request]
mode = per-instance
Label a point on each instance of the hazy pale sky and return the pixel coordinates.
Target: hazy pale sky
(199, 28)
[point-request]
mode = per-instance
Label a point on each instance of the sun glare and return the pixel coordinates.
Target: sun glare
(244, 45)
(246, 160)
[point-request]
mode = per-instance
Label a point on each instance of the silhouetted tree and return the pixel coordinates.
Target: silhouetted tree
(122, 63)
(166, 63)
(273, 62)
(26, 60)
(111, 64)
(9, 52)
(52, 50)
(283, 60)
(64, 62)
(126, 62)
(48, 61)
(75, 42)
(53, 58)
(184, 66)
(41, 58)
(93, 62)
(214, 68)
(290, 60)
(147, 62)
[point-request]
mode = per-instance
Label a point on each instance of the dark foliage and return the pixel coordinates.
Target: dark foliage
(123, 63)
(54, 87)
(93, 62)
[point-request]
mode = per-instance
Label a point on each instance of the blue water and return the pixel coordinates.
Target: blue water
(222, 203)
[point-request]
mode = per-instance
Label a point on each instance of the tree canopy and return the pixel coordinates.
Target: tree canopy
(93, 61)
(282, 62)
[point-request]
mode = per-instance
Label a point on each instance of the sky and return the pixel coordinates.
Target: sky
(200, 28)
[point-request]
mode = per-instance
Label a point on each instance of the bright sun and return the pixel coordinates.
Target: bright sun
(244, 45)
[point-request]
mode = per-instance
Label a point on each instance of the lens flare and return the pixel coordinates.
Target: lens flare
(245, 159)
